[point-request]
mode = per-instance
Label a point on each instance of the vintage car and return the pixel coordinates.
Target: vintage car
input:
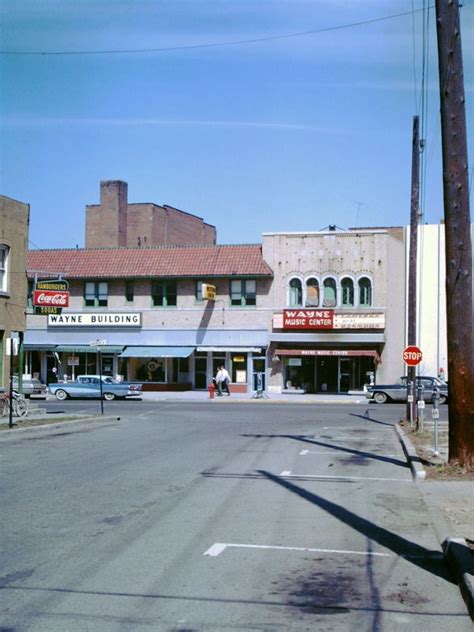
(382, 393)
(31, 387)
(89, 386)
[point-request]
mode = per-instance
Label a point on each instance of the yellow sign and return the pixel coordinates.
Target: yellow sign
(238, 359)
(209, 292)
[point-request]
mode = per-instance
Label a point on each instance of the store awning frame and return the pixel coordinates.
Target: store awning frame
(232, 349)
(88, 349)
(328, 352)
(157, 352)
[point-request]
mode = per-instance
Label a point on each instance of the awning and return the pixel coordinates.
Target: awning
(89, 349)
(157, 352)
(327, 352)
(231, 349)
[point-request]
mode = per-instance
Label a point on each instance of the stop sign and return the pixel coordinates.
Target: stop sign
(412, 355)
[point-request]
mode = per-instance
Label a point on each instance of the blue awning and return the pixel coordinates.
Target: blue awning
(157, 352)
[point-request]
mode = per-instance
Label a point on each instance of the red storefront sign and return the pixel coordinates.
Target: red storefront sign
(308, 319)
(50, 298)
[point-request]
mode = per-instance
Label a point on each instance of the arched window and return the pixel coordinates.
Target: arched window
(295, 298)
(330, 293)
(347, 288)
(365, 292)
(312, 293)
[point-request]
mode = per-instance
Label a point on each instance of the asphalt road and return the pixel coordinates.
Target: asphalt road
(192, 517)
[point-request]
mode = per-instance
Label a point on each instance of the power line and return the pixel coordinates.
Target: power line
(256, 40)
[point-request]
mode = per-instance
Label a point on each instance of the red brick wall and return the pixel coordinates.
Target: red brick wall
(116, 223)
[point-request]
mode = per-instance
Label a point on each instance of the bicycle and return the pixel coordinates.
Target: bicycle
(19, 405)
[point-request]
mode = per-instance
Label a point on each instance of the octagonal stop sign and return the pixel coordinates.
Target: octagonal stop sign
(412, 355)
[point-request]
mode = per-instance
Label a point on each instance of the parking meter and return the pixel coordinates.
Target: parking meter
(420, 403)
(410, 401)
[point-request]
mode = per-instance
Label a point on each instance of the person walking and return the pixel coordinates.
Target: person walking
(222, 379)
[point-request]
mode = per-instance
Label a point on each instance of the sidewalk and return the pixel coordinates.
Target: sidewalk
(354, 397)
(449, 500)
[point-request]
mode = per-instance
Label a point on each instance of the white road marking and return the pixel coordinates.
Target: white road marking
(217, 548)
(288, 474)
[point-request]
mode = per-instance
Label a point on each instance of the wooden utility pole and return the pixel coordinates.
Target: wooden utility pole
(412, 269)
(458, 236)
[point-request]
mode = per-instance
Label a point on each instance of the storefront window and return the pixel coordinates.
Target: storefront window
(239, 368)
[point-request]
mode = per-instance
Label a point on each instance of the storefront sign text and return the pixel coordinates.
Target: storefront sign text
(308, 319)
(95, 320)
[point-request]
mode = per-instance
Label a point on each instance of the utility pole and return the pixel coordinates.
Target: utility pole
(412, 266)
(458, 237)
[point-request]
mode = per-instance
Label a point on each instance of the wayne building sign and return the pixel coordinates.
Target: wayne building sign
(96, 319)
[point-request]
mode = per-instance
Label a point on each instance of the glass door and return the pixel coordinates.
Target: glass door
(200, 372)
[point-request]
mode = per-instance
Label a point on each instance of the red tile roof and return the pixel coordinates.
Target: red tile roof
(179, 261)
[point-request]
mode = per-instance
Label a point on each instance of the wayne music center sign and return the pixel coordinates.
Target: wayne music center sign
(327, 319)
(49, 297)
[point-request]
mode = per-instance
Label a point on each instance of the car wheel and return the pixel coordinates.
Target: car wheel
(442, 399)
(60, 394)
(109, 396)
(380, 398)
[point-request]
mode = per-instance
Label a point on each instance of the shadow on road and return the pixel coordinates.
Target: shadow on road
(430, 561)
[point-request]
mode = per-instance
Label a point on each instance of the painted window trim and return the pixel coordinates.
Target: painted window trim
(165, 287)
(5, 280)
(97, 295)
(243, 293)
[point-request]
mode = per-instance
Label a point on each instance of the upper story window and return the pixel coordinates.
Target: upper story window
(347, 292)
(129, 291)
(4, 252)
(330, 293)
(365, 292)
(295, 298)
(243, 292)
(164, 293)
(312, 293)
(96, 294)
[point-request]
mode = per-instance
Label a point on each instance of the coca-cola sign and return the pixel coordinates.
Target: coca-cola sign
(51, 298)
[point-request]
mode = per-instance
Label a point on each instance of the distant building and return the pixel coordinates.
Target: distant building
(14, 226)
(114, 223)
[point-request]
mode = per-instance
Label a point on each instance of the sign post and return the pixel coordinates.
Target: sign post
(98, 344)
(412, 356)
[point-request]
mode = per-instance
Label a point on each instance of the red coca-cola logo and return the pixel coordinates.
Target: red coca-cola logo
(45, 297)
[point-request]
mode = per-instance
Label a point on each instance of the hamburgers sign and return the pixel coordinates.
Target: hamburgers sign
(49, 297)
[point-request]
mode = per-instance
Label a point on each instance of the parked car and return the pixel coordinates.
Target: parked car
(31, 387)
(397, 392)
(89, 386)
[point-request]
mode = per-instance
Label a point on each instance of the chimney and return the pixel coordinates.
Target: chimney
(113, 213)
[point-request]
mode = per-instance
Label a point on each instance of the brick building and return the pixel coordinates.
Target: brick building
(146, 306)
(14, 226)
(115, 223)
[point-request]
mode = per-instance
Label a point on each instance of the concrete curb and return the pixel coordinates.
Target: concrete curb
(56, 423)
(461, 561)
(417, 470)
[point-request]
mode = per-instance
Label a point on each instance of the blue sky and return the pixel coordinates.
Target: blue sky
(284, 134)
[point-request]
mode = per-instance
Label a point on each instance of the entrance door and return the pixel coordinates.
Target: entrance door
(327, 374)
(346, 374)
(200, 372)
